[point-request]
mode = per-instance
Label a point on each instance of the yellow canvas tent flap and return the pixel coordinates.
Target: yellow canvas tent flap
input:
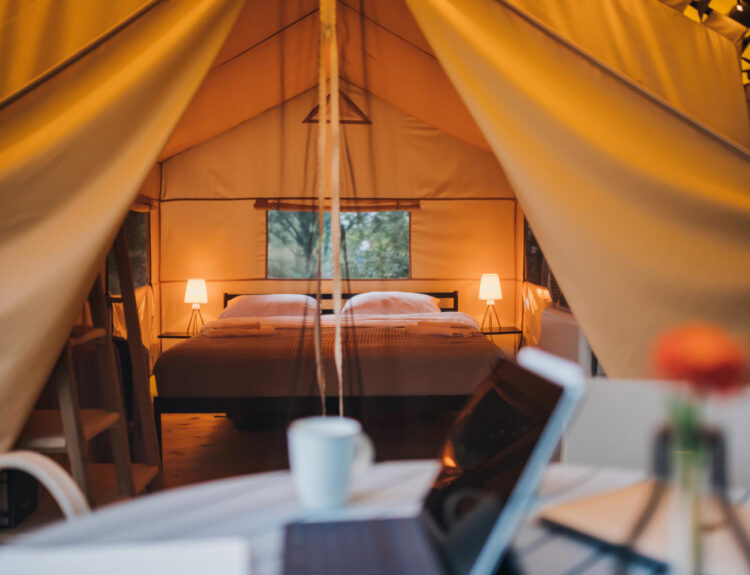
(74, 149)
(39, 36)
(640, 203)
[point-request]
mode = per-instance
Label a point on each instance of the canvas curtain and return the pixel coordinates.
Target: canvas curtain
(24, 57)
(642, 211)
(73, 152)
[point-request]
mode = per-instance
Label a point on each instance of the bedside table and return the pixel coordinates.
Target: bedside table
(174, 335)
(510, 330)
(516, 332)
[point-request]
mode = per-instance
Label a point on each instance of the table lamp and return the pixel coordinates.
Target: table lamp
(489, 289)
(196, 294)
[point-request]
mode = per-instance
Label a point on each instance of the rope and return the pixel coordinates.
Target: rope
(335, 200)
(322, 185)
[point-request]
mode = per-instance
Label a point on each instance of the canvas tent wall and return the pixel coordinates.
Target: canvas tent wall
(243, 138)
(466, 223)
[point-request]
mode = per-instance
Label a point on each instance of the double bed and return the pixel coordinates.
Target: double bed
(401, 351)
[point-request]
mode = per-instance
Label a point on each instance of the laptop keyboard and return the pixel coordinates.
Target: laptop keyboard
(386, 546)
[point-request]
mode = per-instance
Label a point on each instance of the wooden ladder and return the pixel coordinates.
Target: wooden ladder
(70, 429)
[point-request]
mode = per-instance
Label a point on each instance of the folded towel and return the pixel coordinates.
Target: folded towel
(449, 324)
(238, 331)
(442, 330)
(233, 323)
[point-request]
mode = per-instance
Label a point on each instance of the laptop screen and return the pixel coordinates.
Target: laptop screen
(482, 459)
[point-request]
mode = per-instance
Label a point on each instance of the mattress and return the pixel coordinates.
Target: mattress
(381, 358)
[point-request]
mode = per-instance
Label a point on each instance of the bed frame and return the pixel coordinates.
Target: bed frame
(280, 410)
(441, 295)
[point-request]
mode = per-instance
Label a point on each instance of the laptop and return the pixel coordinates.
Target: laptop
(492, 462)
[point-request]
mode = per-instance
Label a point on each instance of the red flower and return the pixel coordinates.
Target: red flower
(703, 356)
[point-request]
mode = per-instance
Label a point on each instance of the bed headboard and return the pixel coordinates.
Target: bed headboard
(443, 296)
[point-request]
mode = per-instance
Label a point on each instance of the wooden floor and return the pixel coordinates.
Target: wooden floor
(204, 447)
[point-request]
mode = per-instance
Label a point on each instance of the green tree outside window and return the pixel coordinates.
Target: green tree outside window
(375, 245)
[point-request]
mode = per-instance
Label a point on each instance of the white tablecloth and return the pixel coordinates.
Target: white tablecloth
(256, 507)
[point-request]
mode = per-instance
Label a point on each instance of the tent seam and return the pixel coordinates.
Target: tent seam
(383, 27)
(79, 55)
(292, 198)
(264, 40)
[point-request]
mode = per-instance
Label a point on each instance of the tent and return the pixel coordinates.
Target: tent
(594, 120)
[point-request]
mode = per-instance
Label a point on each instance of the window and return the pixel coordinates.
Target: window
(374, 245)
(137, 232)
(536, 269)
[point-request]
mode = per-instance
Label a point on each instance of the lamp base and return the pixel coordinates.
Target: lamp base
(487, 319)
(193, 328)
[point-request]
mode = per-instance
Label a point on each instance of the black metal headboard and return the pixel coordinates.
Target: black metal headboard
(441, 295)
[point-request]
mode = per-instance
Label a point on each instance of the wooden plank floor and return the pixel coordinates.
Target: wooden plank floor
(203, 447)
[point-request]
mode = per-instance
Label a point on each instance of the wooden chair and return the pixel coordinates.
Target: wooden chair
(54, 478)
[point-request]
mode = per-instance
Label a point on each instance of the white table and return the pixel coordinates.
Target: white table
(258, 506)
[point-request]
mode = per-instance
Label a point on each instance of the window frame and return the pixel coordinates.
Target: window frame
(409, 250)
(547, 278)
(146, 211)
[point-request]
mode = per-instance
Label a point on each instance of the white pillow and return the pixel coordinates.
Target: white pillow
(270, 304)
(391, 302)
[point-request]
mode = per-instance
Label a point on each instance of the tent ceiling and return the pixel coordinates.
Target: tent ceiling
(271, 56)
(260, 20)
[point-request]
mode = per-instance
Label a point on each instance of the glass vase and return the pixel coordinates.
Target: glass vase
(688, 483)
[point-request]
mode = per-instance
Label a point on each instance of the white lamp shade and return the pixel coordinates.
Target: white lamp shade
(489, 287)
(195, 291)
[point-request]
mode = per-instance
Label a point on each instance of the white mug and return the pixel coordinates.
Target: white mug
(323, 453)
